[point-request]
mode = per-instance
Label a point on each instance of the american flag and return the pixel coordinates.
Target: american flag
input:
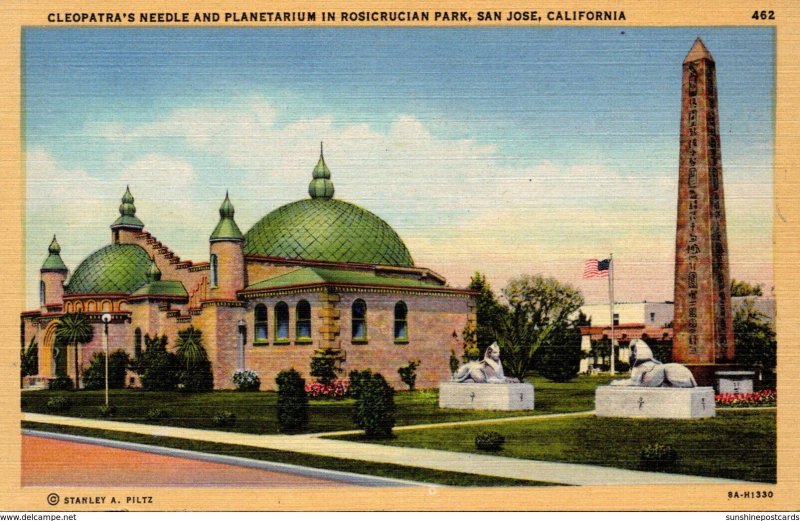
(593, 268)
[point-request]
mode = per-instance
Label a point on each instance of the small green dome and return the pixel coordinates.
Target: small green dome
(116, 268)
(226, 229)
(127, 213)
(327, 230)
(53, 261)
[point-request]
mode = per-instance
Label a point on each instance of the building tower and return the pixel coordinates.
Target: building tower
(703, 326)
(227, 273)
(51, 279)
(127, 226)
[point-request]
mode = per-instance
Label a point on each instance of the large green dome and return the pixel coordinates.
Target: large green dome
(326, 229)
(116, 268)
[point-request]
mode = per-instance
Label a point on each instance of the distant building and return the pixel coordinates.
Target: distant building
(315, 273)
(633, 320)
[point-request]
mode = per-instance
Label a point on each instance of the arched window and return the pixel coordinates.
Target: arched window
(41, 292)
(359, 311)
(137, 343)
(281, 322)
(260, 323)
(303, 321)
(213, 277)
(400, 322)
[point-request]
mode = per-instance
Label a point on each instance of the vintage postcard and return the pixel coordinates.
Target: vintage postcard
(341, 256)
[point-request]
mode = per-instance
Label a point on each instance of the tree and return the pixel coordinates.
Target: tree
(74, 328)
(94, 377)
(196, 374)
(29, 359)
(559, 359)
(519, 339)
(326, 363)
(754, 338)
(158, 369)
(375, 409)
(488, 310)
(292, 401)
(539, 307)
(740, 288)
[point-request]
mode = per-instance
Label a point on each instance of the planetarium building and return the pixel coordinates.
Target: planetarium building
(314, 274)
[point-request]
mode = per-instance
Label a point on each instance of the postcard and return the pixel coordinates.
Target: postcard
(340, 256)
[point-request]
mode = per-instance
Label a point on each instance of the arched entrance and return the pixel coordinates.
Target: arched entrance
(52, 353)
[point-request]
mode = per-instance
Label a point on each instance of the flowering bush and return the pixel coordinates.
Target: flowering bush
(246, 380)
(338, 389)
(765, 398)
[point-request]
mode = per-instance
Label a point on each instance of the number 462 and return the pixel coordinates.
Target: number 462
(763, 15)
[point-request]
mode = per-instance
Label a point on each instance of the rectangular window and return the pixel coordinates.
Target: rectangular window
(616, 319)
(652, 317)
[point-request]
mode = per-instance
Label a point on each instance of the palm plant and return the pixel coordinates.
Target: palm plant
(519, 338)
(189, 347)
(75, 329)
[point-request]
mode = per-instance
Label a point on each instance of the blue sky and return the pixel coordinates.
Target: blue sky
(503, 150)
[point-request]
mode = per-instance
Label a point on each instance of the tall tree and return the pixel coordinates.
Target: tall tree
(542, 308)
(74, 329)
(756, 346)
(489, 312)
(740, 288)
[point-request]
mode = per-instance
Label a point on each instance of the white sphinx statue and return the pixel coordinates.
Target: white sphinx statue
(489, 370)
(646, 371)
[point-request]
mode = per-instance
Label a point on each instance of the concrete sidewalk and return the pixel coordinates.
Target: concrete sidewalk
(485, 465)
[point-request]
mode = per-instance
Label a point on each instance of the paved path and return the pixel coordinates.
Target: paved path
(498, 466)
(61, 459)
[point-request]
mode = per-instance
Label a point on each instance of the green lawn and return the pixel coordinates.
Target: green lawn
(307, 460)
(256, 412)
(736, 444)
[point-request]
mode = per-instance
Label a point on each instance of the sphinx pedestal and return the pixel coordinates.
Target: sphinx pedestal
(491, 397)
(654, 402)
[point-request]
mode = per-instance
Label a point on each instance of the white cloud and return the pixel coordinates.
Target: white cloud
(458, 204)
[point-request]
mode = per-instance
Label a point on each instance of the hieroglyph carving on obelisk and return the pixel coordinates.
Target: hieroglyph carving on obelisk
(703, 326)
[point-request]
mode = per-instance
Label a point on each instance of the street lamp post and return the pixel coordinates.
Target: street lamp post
(241, 325)
(106, 318)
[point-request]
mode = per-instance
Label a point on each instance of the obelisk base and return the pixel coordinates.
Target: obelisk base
(706, 374)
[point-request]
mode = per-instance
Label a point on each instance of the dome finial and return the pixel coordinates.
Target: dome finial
(321, 186)
(127, 212)
(53, 261)
(54, 246)
(153, 273)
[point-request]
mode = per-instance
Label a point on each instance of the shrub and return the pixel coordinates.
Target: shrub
(58, 404)
(559, 358)
(454, 362)
(196, 374)
(198, 378)
(158, 368)
(156, 414)
(375, 406)
(29, 359)
(489, 441)
(337, 390)
(656, 457)
(408, 373)
(108, 410)
(60, 383)
(357, 378)
(224, 419)
(326, 364)
(292, 401)
(246, 380)
(94, 377)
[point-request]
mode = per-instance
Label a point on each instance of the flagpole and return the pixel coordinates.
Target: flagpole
(611, 305)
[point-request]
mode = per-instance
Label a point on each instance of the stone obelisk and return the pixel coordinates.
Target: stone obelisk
(703, 326)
